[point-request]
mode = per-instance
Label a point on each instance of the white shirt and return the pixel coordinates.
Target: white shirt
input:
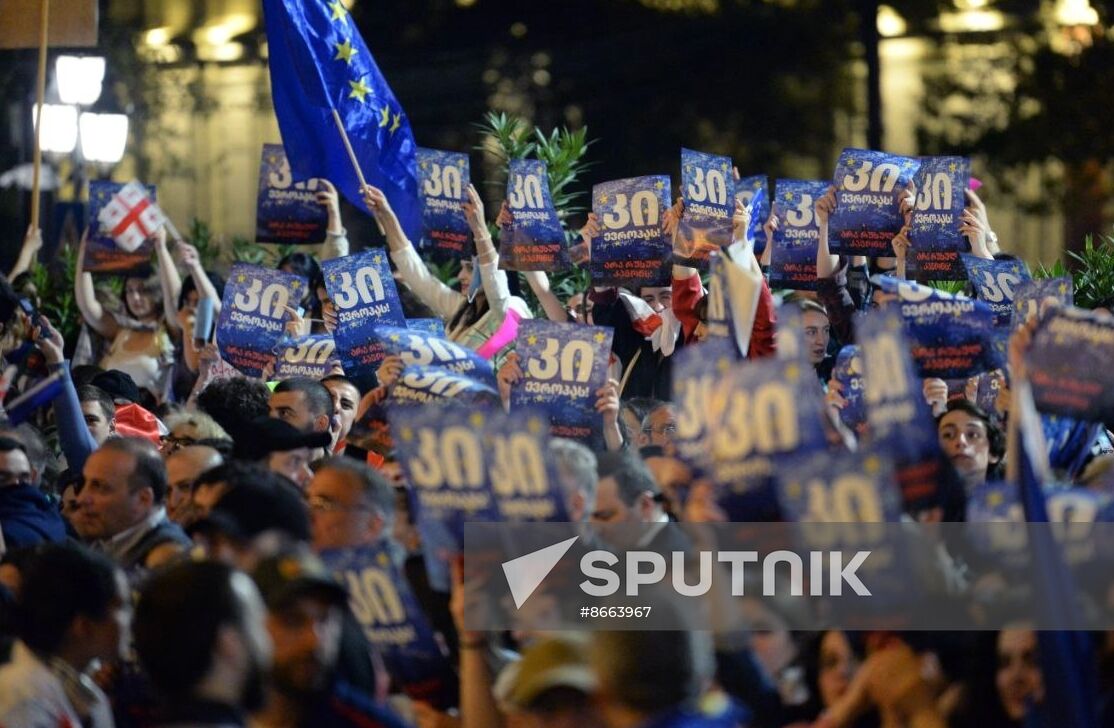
(32, 696)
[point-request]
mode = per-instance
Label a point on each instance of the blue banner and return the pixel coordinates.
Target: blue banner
(101, 253)
(321, 69)
(708, 187)
(754, 193)
(696, 369)
(1028, 294)
(848, 371)
(899, 419)
(631, 250)
(1069, 365)
(477, 465)
(364, 293)
(757, 412)
(563, 366)
(444, 178)
(867, 216)
(536, 240)
(433, 326)
(793, 258)
(310, 356)
(934, 226)
(994, 281)
(439, 386)
(952, 337)
(418, 348)
(287, 211)
(253, 315)
(394, 623)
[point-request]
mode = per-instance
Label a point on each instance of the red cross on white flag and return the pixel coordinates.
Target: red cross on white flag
(131, 217)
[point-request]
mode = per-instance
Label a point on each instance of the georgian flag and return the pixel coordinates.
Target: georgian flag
(131, 217)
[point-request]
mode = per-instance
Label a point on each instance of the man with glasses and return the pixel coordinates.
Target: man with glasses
(658, 427)
(27, 517)
(350, 505)
(183, 465)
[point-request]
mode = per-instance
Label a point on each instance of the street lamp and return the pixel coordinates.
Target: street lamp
(59, 128)
(80, 79)
(103, 137)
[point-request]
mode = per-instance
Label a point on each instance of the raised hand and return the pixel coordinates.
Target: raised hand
(328, 198)
(474, 212)
(390, 369)
(825, 206)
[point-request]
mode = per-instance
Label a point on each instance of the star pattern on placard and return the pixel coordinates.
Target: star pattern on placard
(995, 499)
(794, 490)
(477, 419)
(604, 199)
(659, 185)
(953, 167)
(394, 337)
(295, 284)
(406, 434)
(460, 162)
(531, 340)
(424, 165)
(600, 336)
(723, 364)
(377, 259)
(241, 278)
(871, 465)
(534, 425)
(332, 278)
(792, 372)
(345, 51)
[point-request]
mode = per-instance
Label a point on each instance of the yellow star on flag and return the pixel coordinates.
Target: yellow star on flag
(345, 51)
(531, 339)
(339, 11)
(384, 116)
(396, 123)
(360, 90)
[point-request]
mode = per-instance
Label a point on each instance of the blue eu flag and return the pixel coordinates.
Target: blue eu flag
(319, 63)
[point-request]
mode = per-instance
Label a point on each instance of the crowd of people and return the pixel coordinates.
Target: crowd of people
(163, 516)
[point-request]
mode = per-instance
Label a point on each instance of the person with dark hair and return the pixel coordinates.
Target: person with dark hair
(1003, 681)
(304, 403)
(121, 503)
(346, 402)
(234, 402)
(183, 466)
(27, 517)
(973, 442)
(306, 266)
(626, 491)
(281, 448)
(350, 505)
(197, 284)
(99, 411)
(73, 608)
(36, 448)
(201, 638)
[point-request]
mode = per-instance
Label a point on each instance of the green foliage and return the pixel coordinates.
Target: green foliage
(201, 238)
(1091, 271)
(563, 152)
(1056, 271)
(54, 284)
(952, 287)
(245, 251)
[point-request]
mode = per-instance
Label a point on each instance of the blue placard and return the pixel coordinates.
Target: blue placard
(754, 193)
(394, 623)
(1027, 296)
(631, 250)
(364, 293)
(253, 315)
(433, 326)
(848, 371)
(466, 464)
(838, 487)
(1069, 364)
(418, 348)
(708, 187)
(101, 253)
(867, 216)
(563, 366)
(536, 240)
(443, 179)
(287, 211)
(934, 225)
(952, 337)
(695, 371)
(310, 356)
(760, 411)
(793, 258)
(439, 386)
(995, 281)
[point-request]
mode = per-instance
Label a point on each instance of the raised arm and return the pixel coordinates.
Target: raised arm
(432, 292)
(91, 309)
(826, 263)
(170, 281)
(336, 237)
(32, 244)
(494, 281)
(73, 434)
(538, 280)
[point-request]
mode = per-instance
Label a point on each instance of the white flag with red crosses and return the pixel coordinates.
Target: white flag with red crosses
(131, 217)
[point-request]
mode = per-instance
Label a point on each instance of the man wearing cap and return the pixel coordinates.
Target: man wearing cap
(305, 619)
(121, 502)
(552, 684)
(201, 637)
(280, 447)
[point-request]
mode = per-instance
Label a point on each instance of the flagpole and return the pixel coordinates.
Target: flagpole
(40, 95)
(355, 162)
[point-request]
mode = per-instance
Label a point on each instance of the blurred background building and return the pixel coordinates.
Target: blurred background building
(780, 85)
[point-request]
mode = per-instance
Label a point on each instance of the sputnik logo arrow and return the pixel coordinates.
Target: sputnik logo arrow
(526, 573)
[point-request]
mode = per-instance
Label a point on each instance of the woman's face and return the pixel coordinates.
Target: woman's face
(964, 439)
(837, 666)
(465, 277)
(190, 302)
(1018, 678)
(141, 304)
